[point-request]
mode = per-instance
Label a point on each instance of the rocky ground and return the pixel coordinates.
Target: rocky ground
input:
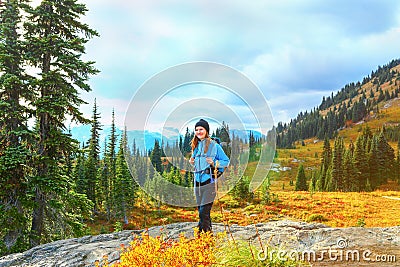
(323, 245)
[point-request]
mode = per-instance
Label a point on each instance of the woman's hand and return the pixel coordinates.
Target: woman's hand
(191, 160)
(210, 161)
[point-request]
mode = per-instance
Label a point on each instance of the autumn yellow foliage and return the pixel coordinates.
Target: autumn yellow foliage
(146, 250)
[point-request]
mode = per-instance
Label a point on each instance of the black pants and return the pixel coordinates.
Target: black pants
(205, 195)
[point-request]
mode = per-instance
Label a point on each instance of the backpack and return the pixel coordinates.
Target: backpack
(216, 139)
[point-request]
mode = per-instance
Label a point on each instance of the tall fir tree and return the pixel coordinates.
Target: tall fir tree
(337, 182)
(15, 98)
(235, 151)
(224, 133)
(112, 144)
(124, 186)
(79, 171)
(360, 164)
(155, 157)
(385, 158)
(93, 158)
(325, 163)
(301, 180)
(253, 155)
(348, 171)
(373, 163)
(109, 161)
(313, 183)
(103, 191)
(56, 39)
(186, 148)
(329, 185)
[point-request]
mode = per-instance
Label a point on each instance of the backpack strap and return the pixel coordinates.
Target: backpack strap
(197, 152)
(212, 143)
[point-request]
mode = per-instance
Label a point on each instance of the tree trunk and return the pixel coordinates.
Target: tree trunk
(42, 171)
(126, 221)
(11, 237)
(37, 220)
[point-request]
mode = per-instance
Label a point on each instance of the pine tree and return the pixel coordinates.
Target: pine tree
(92, 162)
(124, 187)
(329, 183)
(385, 158)
(235, 151)
(224, 133)
(56, 39)
(252, 147)
(109, 161)
(155, 157)
(241, 190)
(104, 180)
(368, 187)
(186, 142)
(79, 171)
(112, 144)
(325, 163)
(252, 139)
(337, 165)
(367, 138)
(360, 164)
(140, 164)
(169, 175)
(373, 164)
(301, 180)
(312, 187)
(15, 97)
(348, 171)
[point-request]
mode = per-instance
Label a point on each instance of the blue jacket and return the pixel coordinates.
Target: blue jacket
(214, 151)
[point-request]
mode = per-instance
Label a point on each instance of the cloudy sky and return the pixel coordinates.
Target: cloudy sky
(294, 51)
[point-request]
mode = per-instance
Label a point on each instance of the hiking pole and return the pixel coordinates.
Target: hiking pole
(258, 236)
(216, 192)
(226, 223)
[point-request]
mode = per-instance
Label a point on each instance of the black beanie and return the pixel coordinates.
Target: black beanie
(203, 124)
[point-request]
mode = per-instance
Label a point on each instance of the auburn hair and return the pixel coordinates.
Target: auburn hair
(195, 142)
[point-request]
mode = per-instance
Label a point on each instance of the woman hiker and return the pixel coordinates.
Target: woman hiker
(205, 153)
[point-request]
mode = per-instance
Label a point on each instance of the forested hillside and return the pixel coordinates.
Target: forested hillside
(360, 130)
(353, 103)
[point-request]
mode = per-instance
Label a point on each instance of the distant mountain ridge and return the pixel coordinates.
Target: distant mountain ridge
(82, 134)
(169, 135)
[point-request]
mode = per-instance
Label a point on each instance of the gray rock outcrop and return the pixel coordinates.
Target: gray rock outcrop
(322, 245)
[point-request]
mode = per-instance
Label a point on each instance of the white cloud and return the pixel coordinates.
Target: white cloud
(295, 51)
(180, 106)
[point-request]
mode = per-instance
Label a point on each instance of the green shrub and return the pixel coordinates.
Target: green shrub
(243, 253)
(316, 218)
(360, 222)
